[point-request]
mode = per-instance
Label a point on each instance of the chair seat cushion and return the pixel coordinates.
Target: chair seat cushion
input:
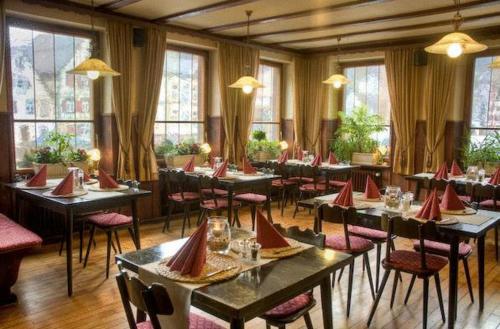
(283, 182)
(301, 179)
(186, 196)
(216, 191)
(291, 306)
(489, 204)
(110, 219)
(368, 233)
(442, 249)
(251, 197)
(221, 204)
(358, 244)
(312, 187)
(409, 261)
(199, 322)
(16, 237)
(144, 325)
(337, 183)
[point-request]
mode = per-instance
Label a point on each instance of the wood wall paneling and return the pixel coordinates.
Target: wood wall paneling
(328, 128)
(7, 165)
(108, 142)
(215, 134)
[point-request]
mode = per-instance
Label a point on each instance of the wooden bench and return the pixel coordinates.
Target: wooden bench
(15, 241)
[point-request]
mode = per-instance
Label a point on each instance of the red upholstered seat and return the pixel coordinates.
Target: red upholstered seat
(221, 204)
(367, 232)
(110, 219)
(15, 237)
(195, 322)
(337, 183)
(465, 198)
(283, 182)
(186, 196)
(312, 187)
(409, 261)
(338, 242)
(144, 325)
(301, 179)
(217, 191)
(442, 249)
(290, 307)
(251, 197)
(489, 204)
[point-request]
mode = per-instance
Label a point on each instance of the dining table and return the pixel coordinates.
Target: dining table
(463, 230)
(256, 290)
(71, 207)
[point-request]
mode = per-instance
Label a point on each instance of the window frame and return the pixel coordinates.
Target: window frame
(278, 66)
(13, 21)
(203, 90)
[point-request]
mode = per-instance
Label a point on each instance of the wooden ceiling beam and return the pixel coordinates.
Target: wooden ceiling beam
(202, 10)
(382, 19)
(297, 14)
(117, 4)
(387, 29)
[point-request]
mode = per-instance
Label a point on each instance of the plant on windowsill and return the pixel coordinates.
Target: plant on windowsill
(176, 155)
(353, 140)
(483, 153)
(260, 149)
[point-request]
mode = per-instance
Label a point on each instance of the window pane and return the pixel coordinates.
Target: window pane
(42, 130)
(65, 92)
(160, 134)
(272, 130)
(83, 86)
(173, 82)
(67, 128)
(25, 137)
(43, 48)
(267, 101)
(84, 135)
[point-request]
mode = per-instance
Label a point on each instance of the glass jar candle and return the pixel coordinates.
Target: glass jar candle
(392, 198)
(219, 234)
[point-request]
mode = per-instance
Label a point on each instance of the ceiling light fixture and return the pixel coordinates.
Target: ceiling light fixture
(247, 83)
(337, 80)
(456, 43)
(93, 68)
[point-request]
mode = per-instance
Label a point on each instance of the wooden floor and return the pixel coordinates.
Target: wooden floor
(43, 302)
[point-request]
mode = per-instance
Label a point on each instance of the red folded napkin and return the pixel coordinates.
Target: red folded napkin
(283, 158)
(86, 177)
(455, 169)
(317, 161)
(442, 172)
(189, 166)
(267, 235)
(65, 186)
(221, 171)
(344, 198)
(191, 258)
(105, 181)
(332, 159)
(495, 179)
(450, 199)
(300, 154)
(430, 208)
(40, 179)
(248, 169)
(371, 189)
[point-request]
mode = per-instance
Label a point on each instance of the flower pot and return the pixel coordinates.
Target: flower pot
(59, 170)
(263, 156)
(178, 161)
(364, 158)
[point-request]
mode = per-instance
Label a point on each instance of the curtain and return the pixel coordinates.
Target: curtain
(236, 107)
(403, 84)
(3, 27)
(154, 59)
(120, 49)
(439, 86)
(311, 98)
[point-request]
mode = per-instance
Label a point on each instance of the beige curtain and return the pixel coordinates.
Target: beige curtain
(154, 59)
(120, 50)
(311, 98)
(403, 84)
(437, 102)
(236, 107)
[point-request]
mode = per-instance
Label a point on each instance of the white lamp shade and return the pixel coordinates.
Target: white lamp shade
(468, 44)
(246, 81)
(94, 65)
(336, 79)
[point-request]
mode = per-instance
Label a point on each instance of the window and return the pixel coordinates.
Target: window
(181, 107)
(44, 97)
(266, 116)
(485, 114)
(368, 87)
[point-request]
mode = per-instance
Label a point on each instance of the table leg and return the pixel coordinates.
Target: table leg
(69, 250)
(326, 302)
(480, 270)
(268, 202)
(237, 323)
(229, 204)
(135, 223)
(417, 189)
(453, 284)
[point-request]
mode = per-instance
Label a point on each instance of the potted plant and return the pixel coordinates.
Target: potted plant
(353, 140)
(176, 155)
(483, 153)
(260, 149)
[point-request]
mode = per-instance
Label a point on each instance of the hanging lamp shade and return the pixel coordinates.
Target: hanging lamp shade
(455, 44)
(247, 84)
(337, 80)
(94, 68)
(496, 63)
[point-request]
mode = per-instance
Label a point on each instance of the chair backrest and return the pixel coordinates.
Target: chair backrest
(439, 184)
(482, 192)
(312, 172)
(340, 215)
(207, 186)
(158, 303)
(306, 236)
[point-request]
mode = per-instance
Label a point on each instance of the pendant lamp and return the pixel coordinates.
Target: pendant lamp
(337, 80)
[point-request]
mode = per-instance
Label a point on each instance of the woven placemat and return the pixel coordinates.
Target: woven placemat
(464, 212)
(294, 248)
(215, 262)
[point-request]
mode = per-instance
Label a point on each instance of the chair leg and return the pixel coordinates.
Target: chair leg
(132, 235)
(410, 287)
(167, 219)
(283, 199)
(81, 241)
(349, 288)
(394, 287)
(366, 262)
(467, 277)
(426, 303)
(253, 212)
(307, 319)
(440, 296)
(379, 294)
(297, 204)
(496, 242)
(236, 218)
(188, 214)
(377, 270)
(117, 238)
(203, 212)
(340, 274)
(393, 248)
(333, 279)
(91, 238)
(108, 252)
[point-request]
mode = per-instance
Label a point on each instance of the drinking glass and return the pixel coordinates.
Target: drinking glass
(480, 175)
(219, 234)
(407, 201)
(471, 173)
(392, 198)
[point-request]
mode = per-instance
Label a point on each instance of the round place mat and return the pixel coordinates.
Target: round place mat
(91, 181)
(464, 212)
(72, 195)
(294, 248)
(447, 221)
(98, 189)
(228, 266)
(362, 198)
(23, 186)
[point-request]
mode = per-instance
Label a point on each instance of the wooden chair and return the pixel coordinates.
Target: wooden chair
(284, 186)
(354, 245)
(300, 305)
(487, 197)
(316, 185)
(419, 264)
(174, 189)
(211, 201)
